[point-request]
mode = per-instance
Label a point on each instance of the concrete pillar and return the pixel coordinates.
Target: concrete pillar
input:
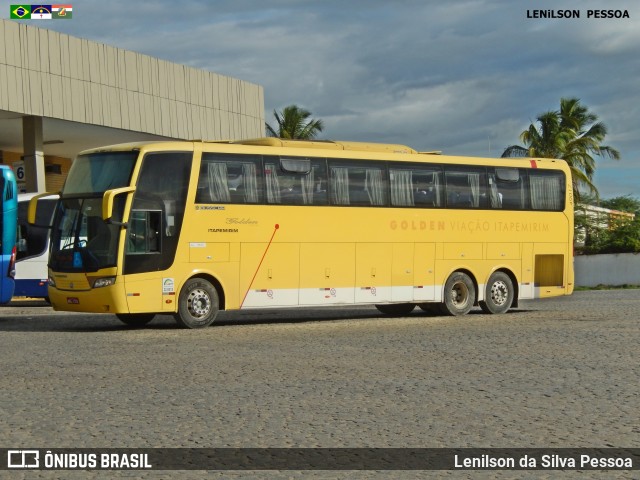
(33, 154)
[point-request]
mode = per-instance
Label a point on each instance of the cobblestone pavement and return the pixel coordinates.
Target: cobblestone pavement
(554, 373)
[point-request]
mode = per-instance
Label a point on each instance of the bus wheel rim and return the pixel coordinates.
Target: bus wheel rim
(499, 293)
(199, 303)
(459, 294)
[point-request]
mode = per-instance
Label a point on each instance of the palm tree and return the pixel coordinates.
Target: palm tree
(573, 134)
(293, 124)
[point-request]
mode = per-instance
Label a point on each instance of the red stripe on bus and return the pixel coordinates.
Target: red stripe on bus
(275, 229)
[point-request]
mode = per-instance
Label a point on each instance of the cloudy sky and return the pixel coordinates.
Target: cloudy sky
(462, 76)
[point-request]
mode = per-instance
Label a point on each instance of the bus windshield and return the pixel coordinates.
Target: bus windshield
(82, 240)
(99, 172)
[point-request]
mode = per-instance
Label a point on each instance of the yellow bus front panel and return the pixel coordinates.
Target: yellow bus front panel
(73, 293)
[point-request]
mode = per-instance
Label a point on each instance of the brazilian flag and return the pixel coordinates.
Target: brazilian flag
(21, 12)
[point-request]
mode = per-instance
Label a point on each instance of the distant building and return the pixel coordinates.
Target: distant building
(599, 218)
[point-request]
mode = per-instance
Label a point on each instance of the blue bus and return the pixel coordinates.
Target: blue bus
(8, 227)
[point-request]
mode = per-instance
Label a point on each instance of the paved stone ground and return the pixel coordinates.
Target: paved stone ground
(555, 373)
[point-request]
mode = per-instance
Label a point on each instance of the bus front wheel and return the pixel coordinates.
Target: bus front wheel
(459, 294)
(197, 304)
(135, 319)
(499, 294)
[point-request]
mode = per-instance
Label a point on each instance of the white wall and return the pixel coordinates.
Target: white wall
(607, 269)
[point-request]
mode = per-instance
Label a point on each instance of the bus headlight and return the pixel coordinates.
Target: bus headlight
(52, 282)
(103, 282)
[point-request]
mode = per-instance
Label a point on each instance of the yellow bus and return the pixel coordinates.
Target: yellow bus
(192, 228)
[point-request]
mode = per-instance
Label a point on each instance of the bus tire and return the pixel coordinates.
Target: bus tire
(396, 309)
(459, 294)
(135, 319)
(198, 304)
(498, 294)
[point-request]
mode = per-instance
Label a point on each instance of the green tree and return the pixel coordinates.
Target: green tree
(571, 133)
(625, 203)
(624, 237)
(293, 124)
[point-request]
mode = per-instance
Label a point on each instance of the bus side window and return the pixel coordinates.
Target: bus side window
(357, 189)
(547, 190)
(358, 184)
(144, 231)
(304, 186)
(465, 187)
(427, 189)
(507, 188)
(415, 186)
(291, 190)
(229, 179)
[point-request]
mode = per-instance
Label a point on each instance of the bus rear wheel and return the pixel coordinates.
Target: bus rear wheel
(459, 294)
(135, 319)
(198, 304)
(498, 294)
(396, 309)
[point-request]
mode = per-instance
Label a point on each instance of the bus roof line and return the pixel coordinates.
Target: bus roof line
(325, 144)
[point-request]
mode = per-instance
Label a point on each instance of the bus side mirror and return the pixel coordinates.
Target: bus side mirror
(33, 209)
(107, 203)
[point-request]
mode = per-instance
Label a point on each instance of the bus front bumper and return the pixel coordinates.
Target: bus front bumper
(109, 299)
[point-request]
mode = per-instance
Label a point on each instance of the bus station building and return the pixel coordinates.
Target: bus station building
(61, 94)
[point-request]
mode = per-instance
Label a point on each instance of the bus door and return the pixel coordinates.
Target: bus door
(143, 258)
(153, 230)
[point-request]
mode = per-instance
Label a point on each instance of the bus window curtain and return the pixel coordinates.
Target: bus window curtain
(496, 200)
(307, 188)
(374, 186)
(273, 185)
(545, 192)
(474, 185)
(436, 187)
(218, 188)
(340, 192)
(402, 188)
(250, 178)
